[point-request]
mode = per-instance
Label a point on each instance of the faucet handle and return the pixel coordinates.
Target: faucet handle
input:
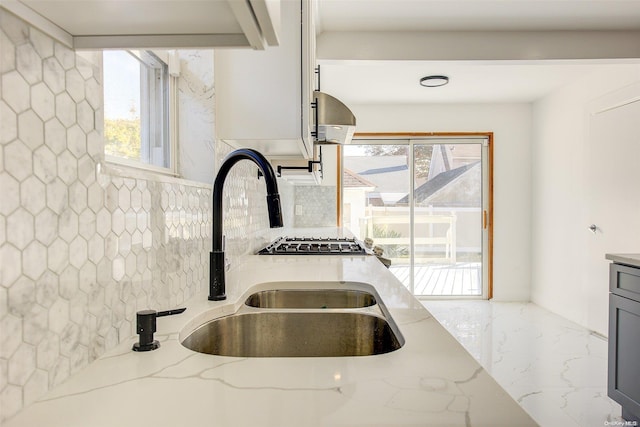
(146, 326)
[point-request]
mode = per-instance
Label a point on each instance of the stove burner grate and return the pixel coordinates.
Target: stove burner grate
(314, 246)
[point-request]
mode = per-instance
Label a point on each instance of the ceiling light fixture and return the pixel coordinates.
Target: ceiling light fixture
(434, 81)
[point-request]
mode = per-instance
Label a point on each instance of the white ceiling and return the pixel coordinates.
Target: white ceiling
(398, 81)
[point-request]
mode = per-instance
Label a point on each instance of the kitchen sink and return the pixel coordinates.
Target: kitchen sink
(311, 298)
(295, 334)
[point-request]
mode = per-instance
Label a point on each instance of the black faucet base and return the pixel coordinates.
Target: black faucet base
(217, 288)
(146, 347)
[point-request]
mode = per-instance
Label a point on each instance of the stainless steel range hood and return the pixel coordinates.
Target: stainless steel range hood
(334, 121)
(264, 99)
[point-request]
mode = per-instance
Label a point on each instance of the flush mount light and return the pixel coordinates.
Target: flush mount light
(434, 81)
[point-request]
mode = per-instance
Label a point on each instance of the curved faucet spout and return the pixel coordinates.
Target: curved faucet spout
(217, 261)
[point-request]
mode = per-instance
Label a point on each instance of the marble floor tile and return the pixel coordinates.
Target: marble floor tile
(555, 369)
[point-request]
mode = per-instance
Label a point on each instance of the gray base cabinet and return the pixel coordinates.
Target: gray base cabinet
(624, 339)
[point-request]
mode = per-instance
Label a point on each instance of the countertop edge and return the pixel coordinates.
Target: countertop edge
(627, 259)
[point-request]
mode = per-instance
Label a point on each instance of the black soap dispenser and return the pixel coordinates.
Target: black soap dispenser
(146, 327)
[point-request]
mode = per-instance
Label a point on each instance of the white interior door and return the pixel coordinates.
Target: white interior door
(613, 192)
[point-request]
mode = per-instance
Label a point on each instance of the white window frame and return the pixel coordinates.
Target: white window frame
(158, 105)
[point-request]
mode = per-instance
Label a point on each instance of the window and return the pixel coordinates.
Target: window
(136, 108)
(426, 202)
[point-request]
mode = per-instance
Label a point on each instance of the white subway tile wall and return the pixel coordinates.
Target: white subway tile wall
(82, 250)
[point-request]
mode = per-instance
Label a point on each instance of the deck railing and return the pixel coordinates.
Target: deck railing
(397, 220)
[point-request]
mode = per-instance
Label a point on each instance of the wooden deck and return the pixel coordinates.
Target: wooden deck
(461, 279)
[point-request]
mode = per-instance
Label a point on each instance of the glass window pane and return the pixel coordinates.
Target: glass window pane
(422, 202)
(376, 185)
(448, 219)
(122, 109)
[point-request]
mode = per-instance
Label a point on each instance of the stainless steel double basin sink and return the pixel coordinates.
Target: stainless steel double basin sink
(335, 320)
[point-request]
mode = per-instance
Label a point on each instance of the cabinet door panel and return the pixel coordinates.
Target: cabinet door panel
(625, 281)
(624, 347)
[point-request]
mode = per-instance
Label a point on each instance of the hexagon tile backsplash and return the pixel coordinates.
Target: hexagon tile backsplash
(82, 250)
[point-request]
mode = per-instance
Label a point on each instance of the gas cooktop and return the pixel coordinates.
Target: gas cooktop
(314, 246)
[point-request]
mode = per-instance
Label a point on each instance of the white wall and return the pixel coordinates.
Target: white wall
(561, 265)
(511, 125)
(196, 132)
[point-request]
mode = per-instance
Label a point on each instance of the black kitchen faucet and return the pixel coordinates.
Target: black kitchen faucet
(216, 259)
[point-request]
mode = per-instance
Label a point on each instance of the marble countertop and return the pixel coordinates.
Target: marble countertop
(628, 259)
(430, 381)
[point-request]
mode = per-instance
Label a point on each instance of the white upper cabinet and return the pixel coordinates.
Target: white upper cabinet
(104, 24)
(263, 99)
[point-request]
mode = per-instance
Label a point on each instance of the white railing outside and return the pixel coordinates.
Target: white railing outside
(396, 220)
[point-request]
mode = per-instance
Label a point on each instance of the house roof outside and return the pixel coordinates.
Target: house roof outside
(389, 174)
(350, 179)
(385, 170)
(452, 181)
(442, 181)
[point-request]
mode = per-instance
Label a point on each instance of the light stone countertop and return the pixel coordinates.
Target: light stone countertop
(628, 259)
(430, 381)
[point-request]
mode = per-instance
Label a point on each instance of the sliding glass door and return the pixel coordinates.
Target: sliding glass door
(425, 203)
